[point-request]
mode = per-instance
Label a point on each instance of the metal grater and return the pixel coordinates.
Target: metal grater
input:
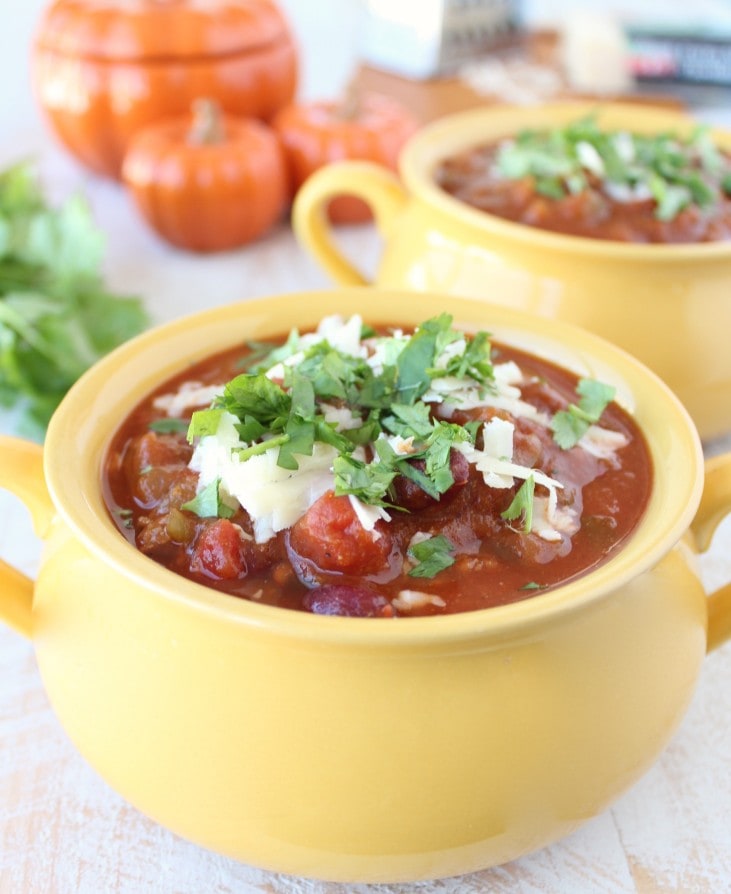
(426, 38)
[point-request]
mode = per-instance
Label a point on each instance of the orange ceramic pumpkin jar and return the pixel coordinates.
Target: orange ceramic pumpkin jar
(103, 71)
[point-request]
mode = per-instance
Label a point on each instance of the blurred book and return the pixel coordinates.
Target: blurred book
(672, 54)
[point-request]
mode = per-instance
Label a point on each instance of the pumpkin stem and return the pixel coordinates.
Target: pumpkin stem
(207, 126)
(349, 108)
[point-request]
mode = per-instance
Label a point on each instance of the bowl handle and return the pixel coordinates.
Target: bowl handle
(21, 472)
(377, 186)
(715, 506)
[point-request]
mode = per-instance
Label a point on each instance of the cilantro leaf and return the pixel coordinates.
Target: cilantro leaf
(410, 421)
(418, 355)
(203, 423)
(257, 396)
(474, 361)
(263, 355)
(522, 504)
(570, 425)
(367, 481)
(432, 555)
(170, 425)
(208, 503)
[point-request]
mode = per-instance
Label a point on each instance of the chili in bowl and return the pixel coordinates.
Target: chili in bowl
(583, 179)
(611, 216)
(424, 744)
(379, 472)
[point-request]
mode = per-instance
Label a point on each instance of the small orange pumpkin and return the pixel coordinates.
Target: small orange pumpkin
(367, 126)
(210, 185)
(104, 70)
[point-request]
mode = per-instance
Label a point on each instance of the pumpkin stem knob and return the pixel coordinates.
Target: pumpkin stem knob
(349, 108)
(207, 126)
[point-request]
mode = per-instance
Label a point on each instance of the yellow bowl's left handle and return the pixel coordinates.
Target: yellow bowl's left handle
(377, 186)
(21, 472)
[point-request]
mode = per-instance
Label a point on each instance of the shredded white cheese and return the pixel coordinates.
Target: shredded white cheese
(274, 497)
(408, 600)
(602, 442)
(368, 515)
(190, 394)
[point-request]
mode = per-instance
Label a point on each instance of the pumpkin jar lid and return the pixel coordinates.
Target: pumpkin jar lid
(160, 30)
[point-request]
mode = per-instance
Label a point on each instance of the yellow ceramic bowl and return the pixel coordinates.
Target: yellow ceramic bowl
(670, 306)
(352, 749)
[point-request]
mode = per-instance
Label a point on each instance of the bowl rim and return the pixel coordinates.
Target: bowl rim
(78, 439)
(461, 130)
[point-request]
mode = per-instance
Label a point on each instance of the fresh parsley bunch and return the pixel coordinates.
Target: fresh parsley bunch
(56, 316)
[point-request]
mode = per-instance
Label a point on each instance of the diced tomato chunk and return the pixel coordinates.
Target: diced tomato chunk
(219, 551)
(331, 535)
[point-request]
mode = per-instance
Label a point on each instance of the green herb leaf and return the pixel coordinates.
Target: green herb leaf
(433, 556)
(203, 423)
(474, 361)
(417, 358)
(570, 425)
(257, 397)
(56, 316)
(522, 504)
(208, 503)
(410, 421)
(532, 585)
(367, 481)
(170, 425)
(263, 355)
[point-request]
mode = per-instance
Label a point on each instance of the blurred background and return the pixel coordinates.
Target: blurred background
(697, 34)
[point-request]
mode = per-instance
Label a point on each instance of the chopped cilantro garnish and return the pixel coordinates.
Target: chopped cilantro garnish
(409, 421)
(287, 414)
(208, 503)
(367, 481)
(522, 504)
(203, 423)
(432, 555)
(570, 425)
(474, 361)
(417, 357)
(168, 426)
(532, 585)
(677, 172)
(263, 355)
(256, 396)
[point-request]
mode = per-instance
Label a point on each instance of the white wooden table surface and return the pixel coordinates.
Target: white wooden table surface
(62, 830)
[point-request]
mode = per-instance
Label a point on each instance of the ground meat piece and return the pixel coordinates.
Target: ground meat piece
(151, 463)
(529, 441)
(331, 536)
(485, 504)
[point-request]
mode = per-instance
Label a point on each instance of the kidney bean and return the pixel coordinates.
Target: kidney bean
(348, 601)
(410, 496)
